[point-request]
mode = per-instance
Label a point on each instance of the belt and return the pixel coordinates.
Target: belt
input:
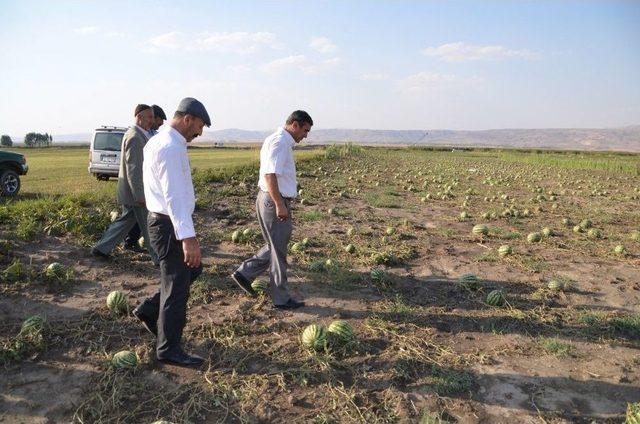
(288, 199)
(159, 215)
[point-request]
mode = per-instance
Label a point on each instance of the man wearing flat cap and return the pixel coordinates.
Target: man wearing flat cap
(130, 189)
(170, 199)
(131, 241)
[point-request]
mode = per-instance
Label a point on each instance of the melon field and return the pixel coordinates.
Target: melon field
(471, 286)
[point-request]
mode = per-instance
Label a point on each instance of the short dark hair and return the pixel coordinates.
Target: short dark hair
(141, 108)
(158, 112)
(299, 116)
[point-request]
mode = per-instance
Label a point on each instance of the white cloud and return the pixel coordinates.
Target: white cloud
(224, 42)
(170, 41)
(322, 44)
(115, 34)
(461, 52)
(374, 77)
(300, 63)
(430, 81)
(86, 30)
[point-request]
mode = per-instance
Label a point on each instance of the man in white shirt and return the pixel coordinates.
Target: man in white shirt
(278, 187)
(170, 199)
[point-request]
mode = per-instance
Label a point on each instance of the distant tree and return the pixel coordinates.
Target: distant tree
(6, 141)
(34, 139)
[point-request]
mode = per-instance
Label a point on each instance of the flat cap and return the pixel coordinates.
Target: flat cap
(158, 112)
(141, 108)
(194, 107)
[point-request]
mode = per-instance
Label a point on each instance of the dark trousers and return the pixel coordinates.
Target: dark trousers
(169, 304)
(133, 236)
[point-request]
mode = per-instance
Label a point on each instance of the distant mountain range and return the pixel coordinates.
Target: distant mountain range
(619, 139)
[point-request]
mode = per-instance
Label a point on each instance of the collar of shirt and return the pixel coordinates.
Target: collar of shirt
(175, 134)
(145, 132)
(287, 136)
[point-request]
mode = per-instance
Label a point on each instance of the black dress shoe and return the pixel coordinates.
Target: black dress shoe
(150, 324)
(291, 304)
(134, 248)
(243, 283)
(98, 254)
(181, 358)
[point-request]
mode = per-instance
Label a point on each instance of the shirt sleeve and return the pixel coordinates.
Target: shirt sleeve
(276, 158)
(173, 183)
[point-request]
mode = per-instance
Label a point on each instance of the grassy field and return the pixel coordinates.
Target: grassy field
(482, 286)
(63, 170)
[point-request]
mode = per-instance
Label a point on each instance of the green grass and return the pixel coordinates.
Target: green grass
(63, 170)
(556, 347)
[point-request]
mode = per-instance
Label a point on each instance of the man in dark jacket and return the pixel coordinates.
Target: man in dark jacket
(130, 187)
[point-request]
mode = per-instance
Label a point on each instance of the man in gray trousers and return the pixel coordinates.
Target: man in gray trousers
(278, 187)
(130, 187)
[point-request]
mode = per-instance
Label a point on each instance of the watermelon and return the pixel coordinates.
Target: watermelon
(124, 359)
(586, 223)
(259, 286)
(341, 330)
(555, 285)
(464, 215)
(351, 231)
(469, 281)
(350, 248)
(390, 231)
(235, 236)
(142, 243)
(55, 270)
(314, 337)
(114, 215)
(247, 232)
(534, 237)
(32, 325)
(619, 250)
(328, 263)
(566, 222)
(577, 229)
(547, 232)
(594, 233)
(496, 298)
(635, 236)
(480, 229)
(505, 250)
(117, 302)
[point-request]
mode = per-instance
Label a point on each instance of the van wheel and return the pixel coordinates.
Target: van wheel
(9, 183)
(102, 177)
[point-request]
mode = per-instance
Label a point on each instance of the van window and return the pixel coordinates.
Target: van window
(110, 141)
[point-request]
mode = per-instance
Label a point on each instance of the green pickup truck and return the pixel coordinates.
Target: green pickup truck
(12, 165)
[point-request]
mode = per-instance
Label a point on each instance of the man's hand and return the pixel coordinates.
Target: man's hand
(191, 250)
(281, 211)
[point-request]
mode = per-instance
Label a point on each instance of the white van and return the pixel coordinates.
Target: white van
(104, 156)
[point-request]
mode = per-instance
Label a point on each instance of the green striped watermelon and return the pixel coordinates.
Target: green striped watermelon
(124, 359)
(505, 250)
(496, 298)
(480, 229)
(342, 330)
(314, 337)
(260, 286)
(117, 302)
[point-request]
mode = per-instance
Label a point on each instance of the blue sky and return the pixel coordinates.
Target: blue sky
(68, 66)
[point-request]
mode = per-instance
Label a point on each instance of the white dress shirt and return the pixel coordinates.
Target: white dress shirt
(276, 157)
(166, 174)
